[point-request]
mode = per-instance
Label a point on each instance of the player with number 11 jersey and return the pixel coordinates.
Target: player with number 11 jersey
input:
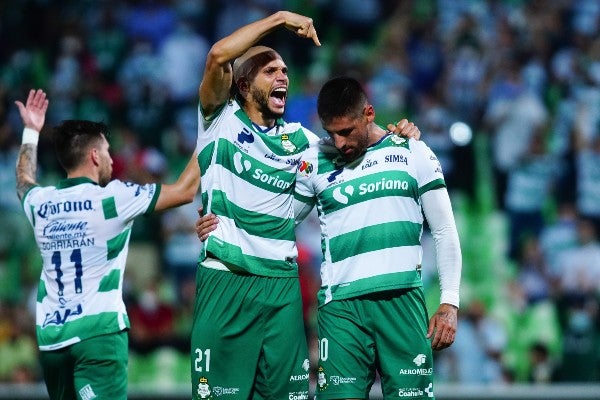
(83, 231)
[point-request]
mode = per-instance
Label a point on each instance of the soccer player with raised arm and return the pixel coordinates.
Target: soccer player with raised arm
(248, 336)
(82, 227)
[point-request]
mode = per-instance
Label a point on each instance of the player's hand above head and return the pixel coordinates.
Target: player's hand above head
(302, 26)
(33, 112)
(405, 128)
(205, 224)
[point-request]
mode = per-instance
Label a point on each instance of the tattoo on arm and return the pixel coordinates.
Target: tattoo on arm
(26, 168)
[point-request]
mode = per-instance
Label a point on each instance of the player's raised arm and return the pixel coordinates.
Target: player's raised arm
(33, 115)
(218, 74)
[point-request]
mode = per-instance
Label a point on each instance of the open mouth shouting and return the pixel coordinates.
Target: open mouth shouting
(278, 97)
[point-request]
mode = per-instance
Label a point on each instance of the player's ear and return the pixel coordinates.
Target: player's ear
(94, 156)
(369, 112)
(243, 87)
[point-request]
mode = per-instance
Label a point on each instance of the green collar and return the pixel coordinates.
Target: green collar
(241, 114)
(68, 182)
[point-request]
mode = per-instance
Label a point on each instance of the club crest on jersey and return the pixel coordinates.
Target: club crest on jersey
(399, 141)
(287, 144)
(203, 389)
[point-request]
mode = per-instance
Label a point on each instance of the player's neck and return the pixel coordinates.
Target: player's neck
(83, 172)
(259, 118)
(375, 133)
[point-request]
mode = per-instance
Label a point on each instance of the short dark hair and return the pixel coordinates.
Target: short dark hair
(341, 96)
(72, 138)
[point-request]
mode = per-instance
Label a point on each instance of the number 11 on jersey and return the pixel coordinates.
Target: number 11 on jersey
(75, 258)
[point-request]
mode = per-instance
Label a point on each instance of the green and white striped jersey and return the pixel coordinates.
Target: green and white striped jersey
(82, 231)
(248, 178)
(370, 214)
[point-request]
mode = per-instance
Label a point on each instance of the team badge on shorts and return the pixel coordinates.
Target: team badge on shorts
(287, 144)
(203, 389)
(321, 379)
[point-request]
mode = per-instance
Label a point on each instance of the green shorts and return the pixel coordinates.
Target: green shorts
(95, 368)
(383, 332)
(248, 339)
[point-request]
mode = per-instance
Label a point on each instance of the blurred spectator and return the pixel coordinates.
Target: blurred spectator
(514, 115)
(107, 42)
(580, 266)
(426, 61)
(558, 235)
(301, 106)
(435, 120)
(579, 361)
(530, 183)
(541, 364)
(533, 276)
(356, 18)
(182, 56)
(577, 303)
(150, 20)
(587, 173)
(476, 355)
(152, 319)
(66, 79)
(389, 83)
(465, 70)
(145, 97)
(18, 346)
(234, 14)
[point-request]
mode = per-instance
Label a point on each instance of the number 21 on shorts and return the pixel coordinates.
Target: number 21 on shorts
(202, 361)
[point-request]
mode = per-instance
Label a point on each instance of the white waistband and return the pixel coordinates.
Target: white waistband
(214, 263)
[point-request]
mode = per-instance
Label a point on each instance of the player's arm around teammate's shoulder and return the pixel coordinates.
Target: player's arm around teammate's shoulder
(183, 190)
(33, 115)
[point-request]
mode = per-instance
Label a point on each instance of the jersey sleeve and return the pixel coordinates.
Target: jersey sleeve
(304, 193)
(26, 201)
(438, 211)
(207, 136)
(130, 200)
(429, 169)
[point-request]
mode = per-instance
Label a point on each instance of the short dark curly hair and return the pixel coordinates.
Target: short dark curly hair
(72, 138)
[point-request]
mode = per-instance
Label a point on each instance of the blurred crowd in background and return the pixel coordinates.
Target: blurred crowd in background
(520, 78)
